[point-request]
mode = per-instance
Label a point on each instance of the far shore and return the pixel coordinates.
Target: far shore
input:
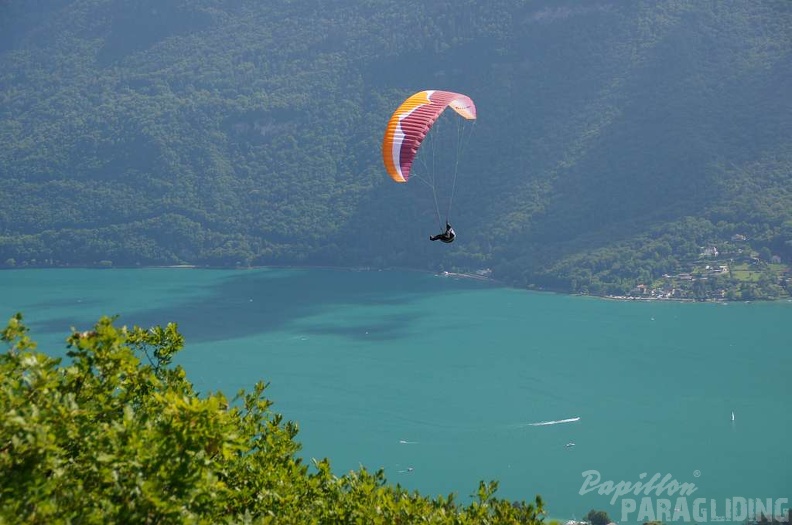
(453, 275)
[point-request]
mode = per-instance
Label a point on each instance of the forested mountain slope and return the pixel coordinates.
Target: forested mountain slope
(616, 141)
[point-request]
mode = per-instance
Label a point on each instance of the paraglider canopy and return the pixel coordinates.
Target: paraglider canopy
(412, 120)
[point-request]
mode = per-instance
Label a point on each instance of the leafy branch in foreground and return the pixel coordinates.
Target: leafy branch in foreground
(118, 434)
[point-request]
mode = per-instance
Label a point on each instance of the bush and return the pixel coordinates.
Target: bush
(118, 434)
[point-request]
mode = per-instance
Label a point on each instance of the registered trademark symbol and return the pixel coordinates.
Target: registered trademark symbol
(696, 473)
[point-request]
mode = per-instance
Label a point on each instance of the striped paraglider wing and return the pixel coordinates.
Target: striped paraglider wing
(410, 123)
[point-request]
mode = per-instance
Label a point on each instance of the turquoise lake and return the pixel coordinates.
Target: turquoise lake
(441, 381)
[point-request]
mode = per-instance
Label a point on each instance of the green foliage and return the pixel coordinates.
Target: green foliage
(598, 517)
(118, 434)
(612, 142)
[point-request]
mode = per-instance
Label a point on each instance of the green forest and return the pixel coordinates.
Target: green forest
(629, 148)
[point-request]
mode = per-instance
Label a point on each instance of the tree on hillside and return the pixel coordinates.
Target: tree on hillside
(598, 517)
(118, 434)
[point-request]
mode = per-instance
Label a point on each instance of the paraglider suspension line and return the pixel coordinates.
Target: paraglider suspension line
(434, 194)
(462, 141)
(433, 183)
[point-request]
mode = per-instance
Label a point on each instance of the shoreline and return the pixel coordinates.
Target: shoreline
(445, 274)
(657, 299)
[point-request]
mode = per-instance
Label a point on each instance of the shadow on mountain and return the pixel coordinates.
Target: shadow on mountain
(137, 26)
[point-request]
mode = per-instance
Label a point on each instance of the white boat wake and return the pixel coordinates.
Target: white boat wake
(405, 442)
(544, 423)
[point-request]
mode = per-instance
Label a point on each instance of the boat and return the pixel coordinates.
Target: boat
(569, 445)
(732, 415)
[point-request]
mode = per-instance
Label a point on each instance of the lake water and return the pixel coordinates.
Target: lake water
(447, 377)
